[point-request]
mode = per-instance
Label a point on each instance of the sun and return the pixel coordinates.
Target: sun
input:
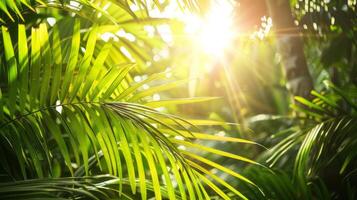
(213, 32)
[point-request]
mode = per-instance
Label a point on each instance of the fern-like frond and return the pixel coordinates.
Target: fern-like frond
(92, 187)
(17, 10)
(66, 112)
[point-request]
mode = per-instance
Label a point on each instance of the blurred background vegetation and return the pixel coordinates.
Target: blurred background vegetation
(284, 74)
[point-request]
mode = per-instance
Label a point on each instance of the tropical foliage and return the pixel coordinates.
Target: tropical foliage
(137, 99)
(71, 113)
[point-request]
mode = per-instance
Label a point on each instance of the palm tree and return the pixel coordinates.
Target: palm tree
(74, 124)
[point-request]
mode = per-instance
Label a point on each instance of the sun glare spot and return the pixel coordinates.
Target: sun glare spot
(58, 106)
(265, 28)
(161, 109)
(51, 21)
(134, 7)
(181, 147)
(221, 134)
(150, 30)
(75, 5)
(107, 6)
(165, 33)
(214, 32)
(156, 97)
(127, 53)
(107, 36)
(179, 137)
(156, 58)
(146, 86)
(137, 79)
(121, 33)
(130, 37)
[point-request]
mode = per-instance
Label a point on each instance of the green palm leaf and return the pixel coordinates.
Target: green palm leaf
(74, 121)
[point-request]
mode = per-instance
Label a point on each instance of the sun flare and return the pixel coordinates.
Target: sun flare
(213, 32)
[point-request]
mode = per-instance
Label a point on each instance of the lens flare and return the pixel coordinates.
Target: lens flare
(213, 32)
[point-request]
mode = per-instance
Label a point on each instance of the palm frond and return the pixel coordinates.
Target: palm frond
(123, 21)
(91, 187)
(67, 114)
(276, 184)
(327, 142)
(16, 9)
(327, 139)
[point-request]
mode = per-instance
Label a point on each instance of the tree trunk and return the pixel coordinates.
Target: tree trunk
(290, 47)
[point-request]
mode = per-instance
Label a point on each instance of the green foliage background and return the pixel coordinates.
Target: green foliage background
(80, 116)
